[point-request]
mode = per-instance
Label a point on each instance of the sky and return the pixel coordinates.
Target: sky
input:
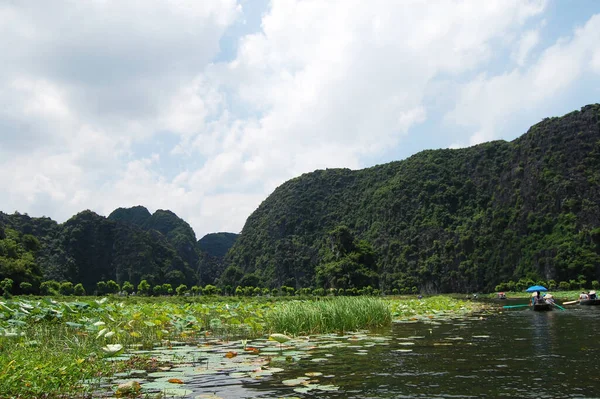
(205, 107)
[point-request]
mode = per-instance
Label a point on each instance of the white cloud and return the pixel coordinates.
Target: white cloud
(486, 102)
(80, 83)
(527, 43)
(325, 84)
(320, 84)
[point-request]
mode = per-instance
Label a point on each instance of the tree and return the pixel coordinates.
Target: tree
(66, 288)
(50, 287)
(232, 276)
(127, 287)
(175, 278)
(78, 290)
(6, 286)
(196, 290)
(25, 287)
(112, 287)
(347, 262)
(181, 290)
(167, 289)
(144, 288)
(209, 289)
(250, 280)
(101, 288)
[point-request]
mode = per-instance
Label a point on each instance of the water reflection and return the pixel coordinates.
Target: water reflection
(543, 333)
(516, 354)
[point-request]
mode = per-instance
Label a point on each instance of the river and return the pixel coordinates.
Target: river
(505, 354)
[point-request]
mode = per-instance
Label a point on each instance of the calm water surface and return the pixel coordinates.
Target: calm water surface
(513, 354)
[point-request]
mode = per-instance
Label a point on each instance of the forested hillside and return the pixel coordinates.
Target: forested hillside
(130, 245)
(440, 221)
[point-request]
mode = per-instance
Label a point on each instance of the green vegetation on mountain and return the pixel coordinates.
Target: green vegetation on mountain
(217, 244)
(91, 253)
(440, 221)
(18, 267)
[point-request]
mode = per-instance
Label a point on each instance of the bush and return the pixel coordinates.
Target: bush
(6, 286)
(128, 287)
(564, 286)
(181, 290)
(112, 287)
(144, 288)
(209, 290)
(49, 287)
(66, 288)
(26, 288)
(79, 290)
(101, 288)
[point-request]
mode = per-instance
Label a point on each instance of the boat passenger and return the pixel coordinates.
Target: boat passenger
(536, 298)
(549, 299)
(583, 295)
(592, 295)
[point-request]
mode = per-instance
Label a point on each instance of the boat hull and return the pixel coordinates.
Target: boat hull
(542, 307)
(590, 302)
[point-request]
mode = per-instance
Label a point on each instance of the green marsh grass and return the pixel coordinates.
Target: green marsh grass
(329, 315)
(50, 361)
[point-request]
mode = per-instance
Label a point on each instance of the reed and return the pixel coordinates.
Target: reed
(336, 314)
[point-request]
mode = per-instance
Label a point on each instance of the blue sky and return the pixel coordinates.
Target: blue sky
(204, 108)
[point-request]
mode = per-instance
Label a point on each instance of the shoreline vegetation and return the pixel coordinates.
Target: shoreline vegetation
(69, 347)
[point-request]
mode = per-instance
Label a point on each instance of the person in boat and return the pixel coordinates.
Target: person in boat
(549, 299)
(592, 295)
(583, 296)
(501, 295)
(536, 298)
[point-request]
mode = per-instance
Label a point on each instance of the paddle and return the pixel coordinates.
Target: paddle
(515, 306)
(570, 302)
(558, 306)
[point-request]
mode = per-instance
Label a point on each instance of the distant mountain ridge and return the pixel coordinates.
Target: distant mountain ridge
(131, 244)
(440, 221)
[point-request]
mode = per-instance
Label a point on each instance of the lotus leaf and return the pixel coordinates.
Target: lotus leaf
(281, 338)
(112, 348)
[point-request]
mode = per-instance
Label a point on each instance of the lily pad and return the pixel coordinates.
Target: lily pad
(295, 381)
(313, 374)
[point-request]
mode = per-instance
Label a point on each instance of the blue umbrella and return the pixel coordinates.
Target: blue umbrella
(535, 288)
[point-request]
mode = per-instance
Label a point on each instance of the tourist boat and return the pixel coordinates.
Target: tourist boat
(589, 302)
(542, 307)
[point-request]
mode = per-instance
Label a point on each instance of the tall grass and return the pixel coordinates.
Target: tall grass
(329, 315)
(50, 362)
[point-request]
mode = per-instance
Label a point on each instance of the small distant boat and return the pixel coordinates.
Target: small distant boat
(590, 302)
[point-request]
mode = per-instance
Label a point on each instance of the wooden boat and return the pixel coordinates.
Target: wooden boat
(542, 307)
(589, 302)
